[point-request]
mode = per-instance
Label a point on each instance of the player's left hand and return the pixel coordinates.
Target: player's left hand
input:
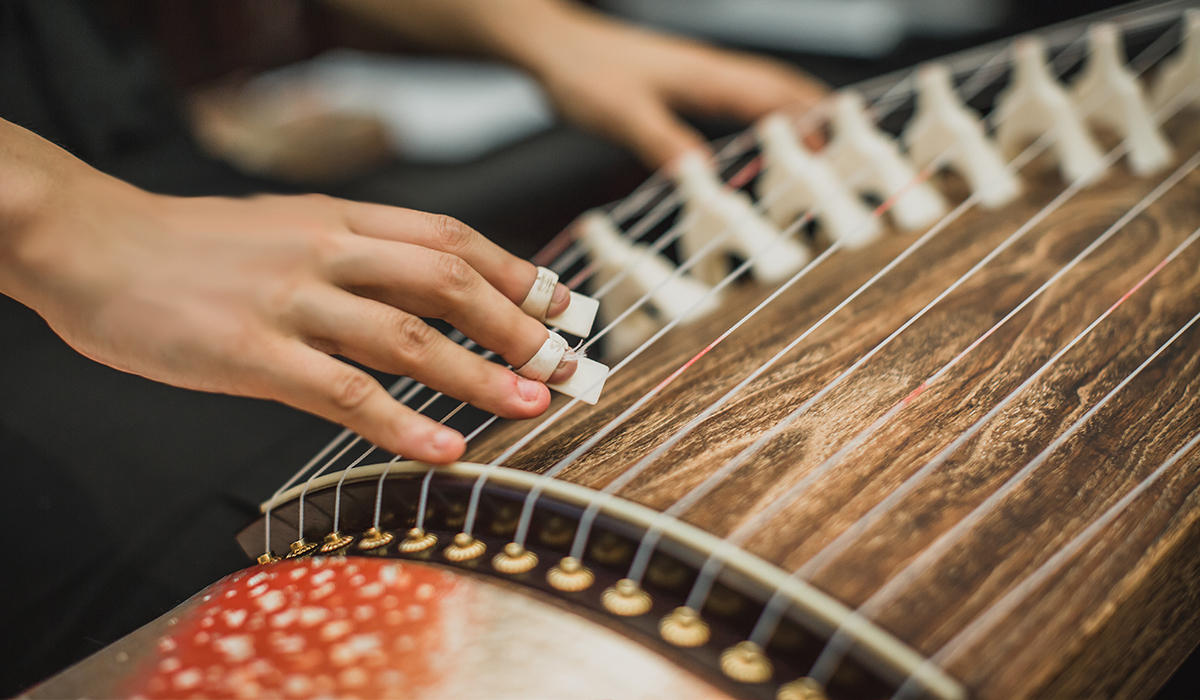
(632, 85)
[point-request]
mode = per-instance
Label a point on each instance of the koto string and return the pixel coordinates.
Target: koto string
(990, 617)
(357, 438)
(583, 531)
(627, 207)
(770, 615)
(394, 389)
(734, 149)
(537, 489)
(616, 484)
(679, 271)
(477, 489)
(651, 537)
(835, 548)
(669, 236)
(387, 469)
(528, 437)
(660, 212)
(699, 255)
(663, 242)
(544, 425)
(715, 561)
(838, 645)
(337, 498)
(840, 544)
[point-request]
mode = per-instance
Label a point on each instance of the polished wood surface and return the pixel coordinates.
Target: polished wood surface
(1120, 616)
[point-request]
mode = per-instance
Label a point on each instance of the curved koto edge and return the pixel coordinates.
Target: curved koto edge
(816, 603)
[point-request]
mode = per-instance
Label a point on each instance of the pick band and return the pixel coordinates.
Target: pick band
(537, 301)
(542, 365)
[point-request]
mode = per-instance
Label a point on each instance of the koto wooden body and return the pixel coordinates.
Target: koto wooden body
(1119, 617)
(981, 341)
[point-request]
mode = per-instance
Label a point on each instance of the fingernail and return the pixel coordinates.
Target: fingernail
(565, 369)
(561, 293)
(444, 440)
(560, 300)
(528, 389)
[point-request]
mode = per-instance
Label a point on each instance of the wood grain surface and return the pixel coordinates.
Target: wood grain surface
(1118, 617)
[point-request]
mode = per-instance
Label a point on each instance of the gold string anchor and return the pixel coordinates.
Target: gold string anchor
(626, 599)
(570, 575)
(515, 559)
(300, 548)
(335, 541)
(801, 689)
(684, 628)
(267, 557)
(374, 539)
(417, 540)
(745, 662)
(464, 548)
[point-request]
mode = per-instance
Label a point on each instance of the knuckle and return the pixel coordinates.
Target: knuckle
(413, 335)
(328, 248)
(284, 299)
(454, 275)
(450, 233)
(350, 390)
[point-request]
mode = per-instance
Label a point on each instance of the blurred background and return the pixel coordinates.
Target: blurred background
(286, 96)
(296, 94)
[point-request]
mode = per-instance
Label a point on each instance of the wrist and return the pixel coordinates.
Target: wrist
(531, 33)
(47, 204)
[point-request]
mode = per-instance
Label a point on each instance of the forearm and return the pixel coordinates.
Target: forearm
(522, 32)
(33, 173)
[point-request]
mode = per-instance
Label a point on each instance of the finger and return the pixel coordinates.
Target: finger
(512, 276)
(312, 381)
(432, 284)
(746, 88)
(391, 340)
(653, 131)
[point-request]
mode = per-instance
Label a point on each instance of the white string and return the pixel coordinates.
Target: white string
(531, 499)
(629, 206)
(836, 647)
(736, 147)
(337, 497)
(838, 546)
(714, 562)
(394, 389)
(357, 439)
(387, 469)
(843, 541)
(653, 534)
(1001, 608)
(700, 254)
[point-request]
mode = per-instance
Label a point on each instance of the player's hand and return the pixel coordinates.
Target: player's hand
(631, 85)
(253, 297)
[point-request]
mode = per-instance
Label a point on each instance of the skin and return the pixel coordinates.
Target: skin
(255, 297)
(614, 79)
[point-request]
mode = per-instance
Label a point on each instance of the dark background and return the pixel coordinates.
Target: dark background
(123, 496)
